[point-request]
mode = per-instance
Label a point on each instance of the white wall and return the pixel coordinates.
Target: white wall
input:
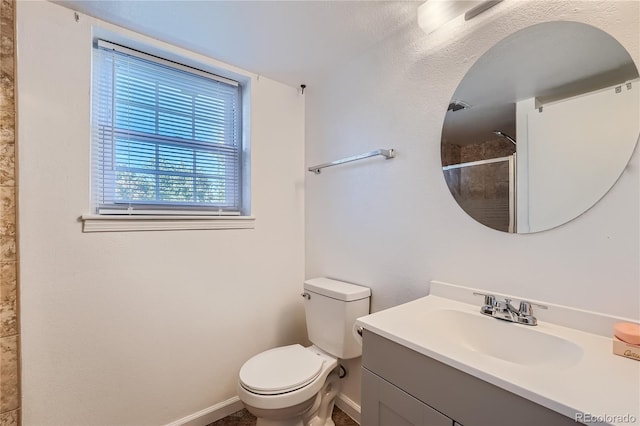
(598, 132)
(142, 328)
(393, 225)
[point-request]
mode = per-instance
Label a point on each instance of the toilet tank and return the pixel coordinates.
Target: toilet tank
(331, 309)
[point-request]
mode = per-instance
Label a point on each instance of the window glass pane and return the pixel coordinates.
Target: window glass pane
(135, 186)
(210, 163)
(135, 154)
(211, 190)
(175, 125)
(175, 188)
(175, 159)
(132, 117)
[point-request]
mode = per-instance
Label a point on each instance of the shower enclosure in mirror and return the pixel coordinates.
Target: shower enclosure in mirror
(541, 127)
(485, 189)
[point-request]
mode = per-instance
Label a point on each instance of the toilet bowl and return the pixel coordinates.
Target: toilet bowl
(296, 385)
(281, 386)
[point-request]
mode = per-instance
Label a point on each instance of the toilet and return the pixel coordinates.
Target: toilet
(296, 385)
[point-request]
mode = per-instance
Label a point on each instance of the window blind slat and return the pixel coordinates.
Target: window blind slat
(163, 138)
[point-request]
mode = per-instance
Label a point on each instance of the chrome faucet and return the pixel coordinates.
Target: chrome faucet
(504, 310)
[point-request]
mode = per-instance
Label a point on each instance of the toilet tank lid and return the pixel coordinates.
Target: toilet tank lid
(337, 289)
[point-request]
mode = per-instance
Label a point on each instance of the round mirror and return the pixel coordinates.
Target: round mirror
(541, 127)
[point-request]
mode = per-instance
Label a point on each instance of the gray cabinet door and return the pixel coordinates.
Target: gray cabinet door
(383, 404)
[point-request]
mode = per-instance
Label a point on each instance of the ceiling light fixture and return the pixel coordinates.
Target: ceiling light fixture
(432, 14)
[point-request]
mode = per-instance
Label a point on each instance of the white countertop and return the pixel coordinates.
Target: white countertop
(598, 383)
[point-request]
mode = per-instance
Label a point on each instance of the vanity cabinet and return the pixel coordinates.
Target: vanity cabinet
(403, 387)
(388, 405)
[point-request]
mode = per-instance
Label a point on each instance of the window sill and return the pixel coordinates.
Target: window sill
(123, 223)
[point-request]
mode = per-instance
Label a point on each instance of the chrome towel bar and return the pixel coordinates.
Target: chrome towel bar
(386, 153)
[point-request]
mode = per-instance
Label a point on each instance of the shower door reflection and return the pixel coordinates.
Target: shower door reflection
(486, 190)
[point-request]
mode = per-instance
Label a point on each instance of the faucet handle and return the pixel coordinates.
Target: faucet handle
(489, 299)
(525, 307)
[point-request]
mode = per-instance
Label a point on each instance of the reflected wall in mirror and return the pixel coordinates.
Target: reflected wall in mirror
(541, 127)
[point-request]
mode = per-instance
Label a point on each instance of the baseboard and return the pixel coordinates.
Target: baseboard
(347, 405)
(232, 405)
(211, 414)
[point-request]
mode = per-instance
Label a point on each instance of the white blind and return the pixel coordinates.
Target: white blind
(165, 137)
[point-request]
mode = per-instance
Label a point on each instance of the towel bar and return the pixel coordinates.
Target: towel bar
(387, 153)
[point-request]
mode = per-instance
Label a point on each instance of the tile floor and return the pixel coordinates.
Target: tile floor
(244, 418)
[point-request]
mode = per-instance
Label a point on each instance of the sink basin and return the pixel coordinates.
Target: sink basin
(507, 341)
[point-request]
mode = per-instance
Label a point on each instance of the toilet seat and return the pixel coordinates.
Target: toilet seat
(281, 370)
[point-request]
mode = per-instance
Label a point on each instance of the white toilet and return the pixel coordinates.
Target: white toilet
(297, 386)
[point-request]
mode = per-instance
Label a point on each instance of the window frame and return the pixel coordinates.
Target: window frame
(174, 219)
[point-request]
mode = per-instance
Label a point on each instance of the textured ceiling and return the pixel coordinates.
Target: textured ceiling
(292, 42)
